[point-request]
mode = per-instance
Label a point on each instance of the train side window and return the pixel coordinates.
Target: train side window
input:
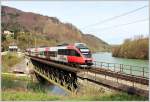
(55, 53)
(73, 53)
(62, 52)
(52, 53)
(77, 54)
(45, 53)
(49, 53)
(65, 52)
(68, 52)
(41, 52)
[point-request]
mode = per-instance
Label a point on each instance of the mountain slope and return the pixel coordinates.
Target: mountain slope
(56, 31)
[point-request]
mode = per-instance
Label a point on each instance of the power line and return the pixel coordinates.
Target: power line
(137, 21)
(115, 17)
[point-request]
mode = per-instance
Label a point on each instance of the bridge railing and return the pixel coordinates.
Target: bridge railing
(125, 69)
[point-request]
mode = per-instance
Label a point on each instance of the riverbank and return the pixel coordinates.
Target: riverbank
(32, 96)
(16, 88)
(22, 88)
(134, 49)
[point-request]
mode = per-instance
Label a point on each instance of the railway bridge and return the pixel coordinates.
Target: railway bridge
(112, 75)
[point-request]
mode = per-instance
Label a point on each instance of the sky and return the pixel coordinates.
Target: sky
(84, 14)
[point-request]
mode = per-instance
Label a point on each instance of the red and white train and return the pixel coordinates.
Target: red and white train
(76, 54)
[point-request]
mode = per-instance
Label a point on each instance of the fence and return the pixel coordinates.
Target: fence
(125, 69)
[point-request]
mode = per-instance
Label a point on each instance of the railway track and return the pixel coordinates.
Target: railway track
(127, 77)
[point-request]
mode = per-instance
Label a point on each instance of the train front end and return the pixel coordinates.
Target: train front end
(86, 53)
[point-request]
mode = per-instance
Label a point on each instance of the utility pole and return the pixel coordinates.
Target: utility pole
(14, 38)
(35, 41)
(17, 40)
(28, 35)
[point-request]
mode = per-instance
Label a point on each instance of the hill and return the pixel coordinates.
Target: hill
(51, 29)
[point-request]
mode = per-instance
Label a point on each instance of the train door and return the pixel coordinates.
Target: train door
(52, 53)
(62, 55)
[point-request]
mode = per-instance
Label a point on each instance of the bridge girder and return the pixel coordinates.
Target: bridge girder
(65, 78)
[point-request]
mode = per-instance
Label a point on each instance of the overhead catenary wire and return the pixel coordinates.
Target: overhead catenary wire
(115, 17)
(120, 25)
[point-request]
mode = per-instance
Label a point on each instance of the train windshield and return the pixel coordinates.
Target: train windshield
(84, 50)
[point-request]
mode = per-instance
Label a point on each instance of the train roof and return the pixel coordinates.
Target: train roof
(61, 46)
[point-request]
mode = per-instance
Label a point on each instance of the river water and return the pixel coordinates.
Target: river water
(107, 57)
(35, 86)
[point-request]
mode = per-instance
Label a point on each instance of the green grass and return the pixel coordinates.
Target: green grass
(12, 76)
(110, 97)
(123, 97)
(39, 96)
(9, 61)
(32, 96)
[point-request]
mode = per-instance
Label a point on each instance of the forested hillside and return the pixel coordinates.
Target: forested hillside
(48, 31)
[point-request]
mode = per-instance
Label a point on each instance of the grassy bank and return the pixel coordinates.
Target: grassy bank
(12, 76)
(28, 96)
(40, 96)
(9, 61)
(120, 96)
